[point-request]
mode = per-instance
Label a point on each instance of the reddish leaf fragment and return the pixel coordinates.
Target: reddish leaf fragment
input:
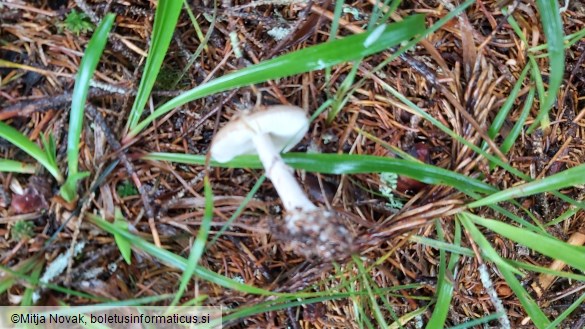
(422, 152)
(34, 197)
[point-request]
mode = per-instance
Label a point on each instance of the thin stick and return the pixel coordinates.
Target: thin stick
(92, 111)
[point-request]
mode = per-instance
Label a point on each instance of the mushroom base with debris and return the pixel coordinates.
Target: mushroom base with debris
(317, 235)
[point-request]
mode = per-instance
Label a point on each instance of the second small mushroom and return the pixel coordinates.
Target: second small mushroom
(313, 232)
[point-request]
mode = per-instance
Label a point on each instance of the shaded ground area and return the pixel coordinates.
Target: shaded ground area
(461, 75)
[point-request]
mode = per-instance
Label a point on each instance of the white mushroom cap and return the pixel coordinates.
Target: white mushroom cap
(285, 125)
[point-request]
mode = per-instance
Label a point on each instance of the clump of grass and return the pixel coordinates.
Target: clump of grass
(126, 189)
(76, 22)
(22, 230)
(170, 78)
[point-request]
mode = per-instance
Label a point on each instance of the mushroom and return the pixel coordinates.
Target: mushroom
(313, 232)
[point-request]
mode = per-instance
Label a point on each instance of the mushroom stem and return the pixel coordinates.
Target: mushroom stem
(292, 195)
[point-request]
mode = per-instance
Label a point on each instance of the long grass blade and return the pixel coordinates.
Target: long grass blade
(441, 245)
(508, 271)
(19, 140)
(377, 312)
(546, 270)
(444, 289)
(506, 107)
(28, 296)
(346, 164)
(309, 59)
(571, 255)
(176, 261)
(239, 210)
(18, 272)
(16, 166)
(165, 20)
(123, 244)
(576, 304)
(550, 18)
(477, 322)
(486, 248)
(87, 67)
(517, 129)
(199, 245)
(566, 178)
(532, 309)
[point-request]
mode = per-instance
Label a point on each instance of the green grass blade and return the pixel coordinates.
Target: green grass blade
(476, 322)
(449, 131)
(546, 270)
(508, 271)
(537, 316)
(332, 36)
(71, 292)
(69, 188)
(534, 68)
(308, 59)
(517, 129)
(441, 245)
(87, 67)
(484, 245)
(282, 303)
(342, 164)
(123, 244)
(553, 30)
(546, 245)
(27, 297)
(50, 147)
(335, 21)
(445, 287)
(454, 259)
(199, 245)
(407, 318)
(240, 209)
(566, 313)
(343, 93)
(22, 142)
(203, 40)
(345, 164)
(176, 261)
(19, 272)
(539, 227)
(538, 82)
(562, 217)
(566, 178)
(391, 9)
(502, 115)
(137, 301)
(371, 296)
(569, 41)
(165, 20)
(16, 166)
